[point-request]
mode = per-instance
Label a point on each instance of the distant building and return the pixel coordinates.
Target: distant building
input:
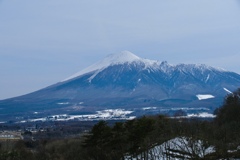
(10, 135)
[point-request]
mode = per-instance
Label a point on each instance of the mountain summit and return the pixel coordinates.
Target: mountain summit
(113, 59)
(126, 81)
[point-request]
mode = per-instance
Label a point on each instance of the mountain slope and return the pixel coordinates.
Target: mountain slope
(127, 81)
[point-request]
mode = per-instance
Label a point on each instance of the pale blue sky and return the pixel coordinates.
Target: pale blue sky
(43, 42)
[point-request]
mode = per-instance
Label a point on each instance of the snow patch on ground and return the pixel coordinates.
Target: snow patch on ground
(182, 147)
(198, 115)
(201, 115)
(63, 103)
(183, 109)
(204, 96)
(149, 108)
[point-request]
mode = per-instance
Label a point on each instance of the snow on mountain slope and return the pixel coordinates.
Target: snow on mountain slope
(227, 90)
(204, 96)
(149, 65)
(113, 59)
(126, 81)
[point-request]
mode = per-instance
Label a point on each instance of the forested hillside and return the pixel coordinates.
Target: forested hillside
(149, 137)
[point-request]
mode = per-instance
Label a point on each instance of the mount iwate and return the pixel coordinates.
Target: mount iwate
(126, 81)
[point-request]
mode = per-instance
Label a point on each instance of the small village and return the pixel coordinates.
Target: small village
(34, 131)
(10, 135)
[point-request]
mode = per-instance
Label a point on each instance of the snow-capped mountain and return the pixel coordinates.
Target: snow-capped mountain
(127, 81)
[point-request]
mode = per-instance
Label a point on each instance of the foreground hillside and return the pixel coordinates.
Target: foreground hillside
(153, 137)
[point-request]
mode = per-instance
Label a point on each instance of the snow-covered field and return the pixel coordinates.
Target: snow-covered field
(189, 112)
(201, 115)
(110, 114)
(122, 114)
